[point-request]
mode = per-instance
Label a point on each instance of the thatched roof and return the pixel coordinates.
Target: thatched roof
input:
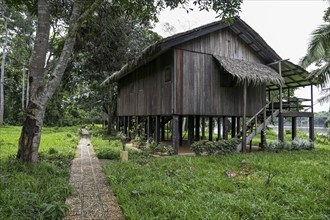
(252, 73)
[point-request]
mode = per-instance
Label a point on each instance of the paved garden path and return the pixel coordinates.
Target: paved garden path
(92, 199)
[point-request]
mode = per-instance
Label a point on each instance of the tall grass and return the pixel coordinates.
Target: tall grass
(36, 191)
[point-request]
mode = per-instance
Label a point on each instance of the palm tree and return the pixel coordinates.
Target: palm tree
(318, 53)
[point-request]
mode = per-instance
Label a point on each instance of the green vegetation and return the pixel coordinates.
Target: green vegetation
(36, 191)
(263, 185)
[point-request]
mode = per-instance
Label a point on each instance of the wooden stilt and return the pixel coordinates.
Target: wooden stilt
(233, 127)
(311, 129)
(190, 130)
(244, 119)
(175, 134)
(203, 128)
(224, 127)
(157, 129)
(118, 124)
(238, 126)
(162, 129)
(219, 128)
(294, 128)
(197, 135)
(281, 128)
(129, 122)
(180, 130)
(262, 139)
(210, 128)
(125, 125)
(138, 125)
(149, 126)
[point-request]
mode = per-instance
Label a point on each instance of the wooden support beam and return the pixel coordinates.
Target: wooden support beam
(129, 122)
(180, 129)
(197, 128)
(294, 128)
(244, 118)
(138, 125)
(162, 129)
(280, 89)
(210, 128)
(175, 134)
(203, 128)
(281, 128)
(312, 102)
(149, 127)
(219, 128)
(118, 124)
(125, 125)
(224, 128)
(190, 130)
(157, 129)
(238, 126)
(311, 129)
(262, 139)
(233, 127)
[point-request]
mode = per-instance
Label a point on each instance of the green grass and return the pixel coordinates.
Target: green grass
(36, 191)
(180, 187)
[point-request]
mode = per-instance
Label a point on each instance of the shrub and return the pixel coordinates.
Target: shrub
(276, 146)
(215, 147)
(301, 144)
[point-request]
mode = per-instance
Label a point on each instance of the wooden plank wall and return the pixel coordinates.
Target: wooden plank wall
(198, 90)
(145, 92)
(223, 43)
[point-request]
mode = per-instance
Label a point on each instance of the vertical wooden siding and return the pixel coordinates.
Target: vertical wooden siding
(145, 92)
(223, 43)
(199, 92)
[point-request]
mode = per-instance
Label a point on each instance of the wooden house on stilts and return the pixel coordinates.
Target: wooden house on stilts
(216, 73)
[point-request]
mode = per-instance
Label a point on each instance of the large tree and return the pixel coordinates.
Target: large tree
(46, 71)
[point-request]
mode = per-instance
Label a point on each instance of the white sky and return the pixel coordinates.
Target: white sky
(285, 25)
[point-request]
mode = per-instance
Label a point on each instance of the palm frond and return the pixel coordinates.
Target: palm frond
(318, 49)
(325, 96)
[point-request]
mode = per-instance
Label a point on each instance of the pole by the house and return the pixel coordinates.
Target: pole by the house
(157, 132)
(197, 128)
(280, 118)
(190, 130)
(244, 119)
(210, 128)
(180, 130)
(294, 128)
(224, 128)
(175, 134)
(149, 125)
(219, 128)
(203, 128)
(233, 127)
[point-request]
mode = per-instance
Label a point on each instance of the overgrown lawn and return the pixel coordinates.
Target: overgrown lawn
(285, 185)
(36, 191)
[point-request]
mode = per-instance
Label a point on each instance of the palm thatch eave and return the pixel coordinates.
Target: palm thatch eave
(251, 73)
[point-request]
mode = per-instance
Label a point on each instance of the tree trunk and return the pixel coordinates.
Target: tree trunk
(2, 76)
(29, 141)
(23, 87)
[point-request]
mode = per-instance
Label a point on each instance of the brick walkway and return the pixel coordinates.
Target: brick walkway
(93, 199)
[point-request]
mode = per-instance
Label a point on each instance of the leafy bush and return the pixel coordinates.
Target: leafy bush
(221, 147)
(301, 144)
(297, 144)
(276, 146)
